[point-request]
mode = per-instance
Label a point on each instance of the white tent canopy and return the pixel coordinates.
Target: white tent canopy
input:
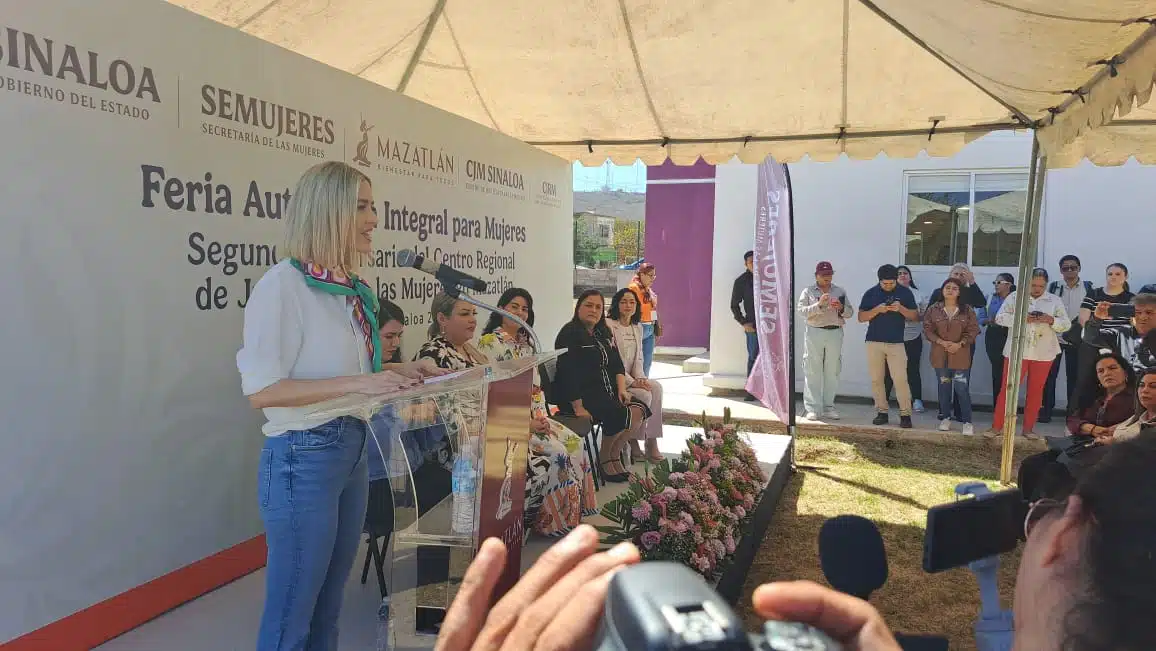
(649, 79)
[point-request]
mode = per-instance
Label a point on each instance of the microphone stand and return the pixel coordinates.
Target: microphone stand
(994, 630)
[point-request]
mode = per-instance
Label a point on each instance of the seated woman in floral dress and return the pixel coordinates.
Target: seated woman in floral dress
(559, 481)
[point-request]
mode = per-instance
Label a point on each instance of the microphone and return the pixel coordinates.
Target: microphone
(852, 555)
(446, 274)
(854, 562)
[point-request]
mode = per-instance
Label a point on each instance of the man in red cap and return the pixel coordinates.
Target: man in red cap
(824, 306)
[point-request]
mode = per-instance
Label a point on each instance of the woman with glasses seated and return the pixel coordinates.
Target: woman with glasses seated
(1099, 409)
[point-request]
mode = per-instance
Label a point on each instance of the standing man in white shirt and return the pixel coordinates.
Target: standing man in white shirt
(824, 306)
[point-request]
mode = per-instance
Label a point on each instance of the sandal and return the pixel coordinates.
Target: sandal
(616, 478)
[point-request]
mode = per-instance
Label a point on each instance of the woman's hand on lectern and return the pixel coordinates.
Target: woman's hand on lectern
(384, 382)
(557, 604)
(420, 368)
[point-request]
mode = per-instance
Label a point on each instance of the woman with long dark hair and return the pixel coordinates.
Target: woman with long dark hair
(559, 480)
(951, 328)
(591, 382)
(1116, 292)
(624, 322)
(1099, 409)
(1145, 417)
(912, 343)
(391, 325)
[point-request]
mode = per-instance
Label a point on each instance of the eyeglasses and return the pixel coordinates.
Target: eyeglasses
(1037, 511)
(1069, 267)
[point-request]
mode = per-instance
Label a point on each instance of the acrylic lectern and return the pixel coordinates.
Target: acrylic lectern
(472, 428)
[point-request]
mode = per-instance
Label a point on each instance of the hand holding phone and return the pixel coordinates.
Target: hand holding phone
(1121, 311)
(1103, 310)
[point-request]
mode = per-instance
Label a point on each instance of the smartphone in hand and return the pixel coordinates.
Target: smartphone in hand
(1121, 310)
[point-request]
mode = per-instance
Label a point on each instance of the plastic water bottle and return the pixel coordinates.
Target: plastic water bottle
(464, 483)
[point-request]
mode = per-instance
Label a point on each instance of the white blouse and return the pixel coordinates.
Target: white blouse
(295, 332)
(629, 342)
(1041, 341)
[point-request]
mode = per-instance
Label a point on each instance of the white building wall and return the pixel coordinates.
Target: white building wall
(734, 235)
(852, 214)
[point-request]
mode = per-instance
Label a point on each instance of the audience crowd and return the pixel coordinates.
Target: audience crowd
(1070, 325)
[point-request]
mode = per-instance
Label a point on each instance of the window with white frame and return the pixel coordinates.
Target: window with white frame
(971, 217)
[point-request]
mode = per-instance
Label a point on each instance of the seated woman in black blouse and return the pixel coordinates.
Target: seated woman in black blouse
(591, 383)
(1100, 408)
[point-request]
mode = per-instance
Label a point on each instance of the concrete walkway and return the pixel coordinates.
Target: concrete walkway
(685, 397)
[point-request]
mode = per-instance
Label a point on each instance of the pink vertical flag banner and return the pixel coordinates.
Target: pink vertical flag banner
(770, 380)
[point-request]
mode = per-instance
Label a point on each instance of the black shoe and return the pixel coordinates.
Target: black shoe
(1044, 419)
(749, 398)
(905, 422)
(880, 418)
(620, 478)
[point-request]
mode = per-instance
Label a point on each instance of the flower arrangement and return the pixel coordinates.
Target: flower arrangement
(692, 509)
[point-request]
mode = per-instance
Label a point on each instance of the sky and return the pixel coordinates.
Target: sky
(608, 176)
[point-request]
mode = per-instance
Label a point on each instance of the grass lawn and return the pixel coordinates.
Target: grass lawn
(893, 483)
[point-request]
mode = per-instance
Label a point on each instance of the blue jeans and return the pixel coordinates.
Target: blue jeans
(312, 487)
(959, 384)
(752, 350)
(647, 347)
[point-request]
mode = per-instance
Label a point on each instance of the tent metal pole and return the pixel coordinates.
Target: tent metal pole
(1028, 248)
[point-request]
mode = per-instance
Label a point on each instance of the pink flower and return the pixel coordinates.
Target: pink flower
(641, 511)
(740, 511)
(684, 495)
(676, 476)
(686, 517)
(651, 539)
(715, 463)
(669, 493)
(730, 544)
(681, 527)
(703, 564)
(719, 548)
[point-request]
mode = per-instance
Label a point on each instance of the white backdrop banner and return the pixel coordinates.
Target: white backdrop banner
(148, 155)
